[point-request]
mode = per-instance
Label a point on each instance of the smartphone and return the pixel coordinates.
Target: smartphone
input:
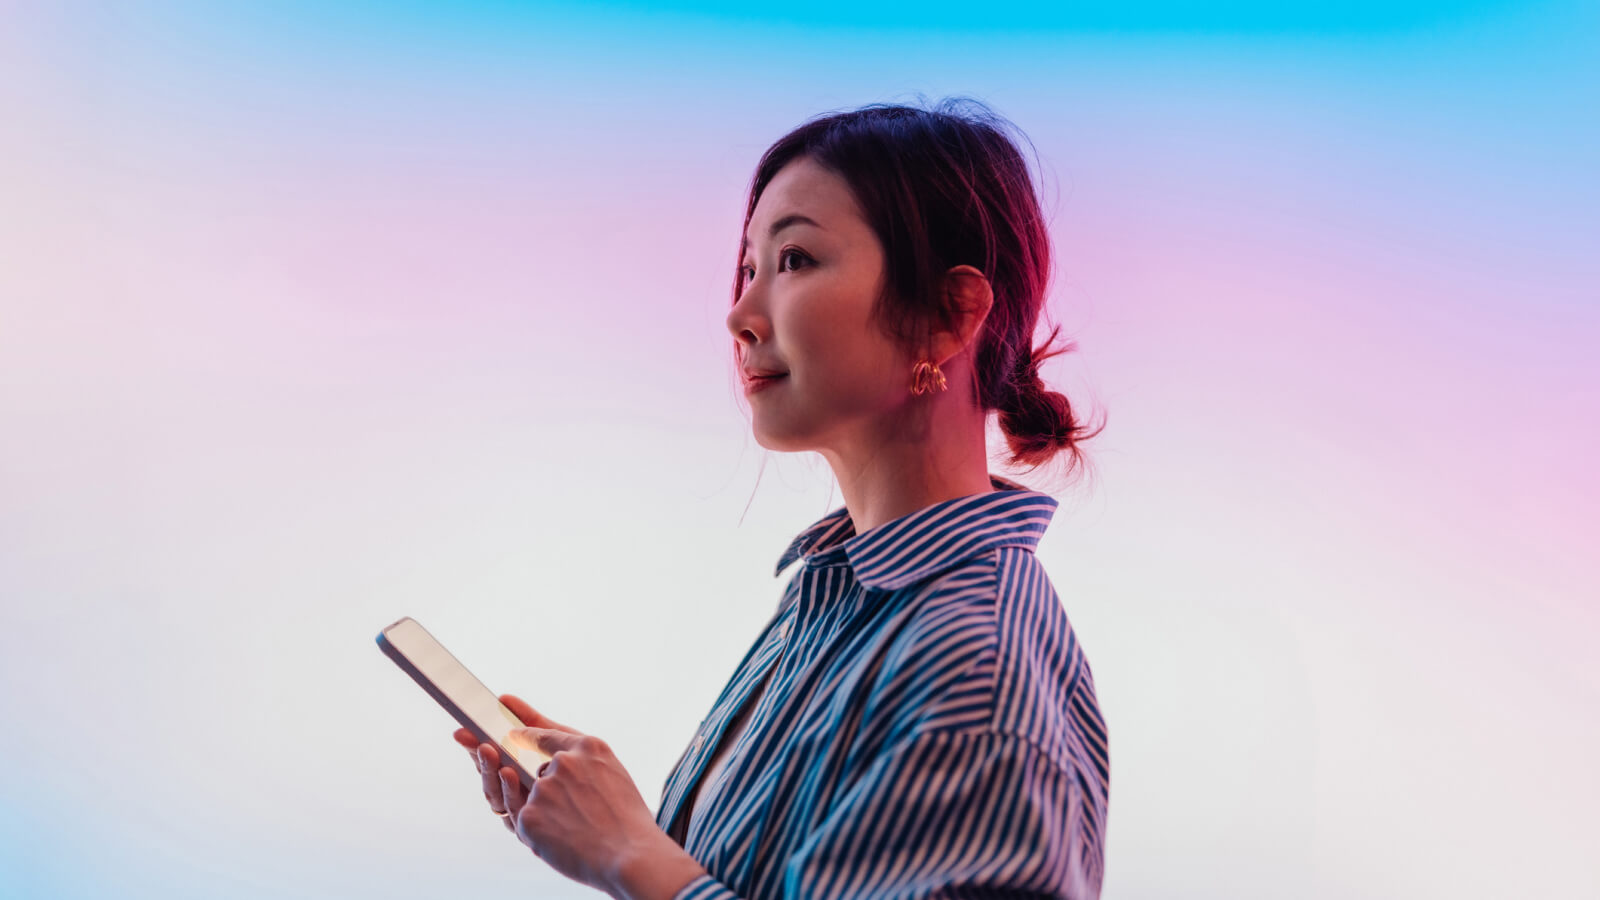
(461, 694)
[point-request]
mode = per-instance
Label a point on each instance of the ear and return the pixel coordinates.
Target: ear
(972, 295)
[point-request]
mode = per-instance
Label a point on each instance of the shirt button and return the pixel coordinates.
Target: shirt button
(699, 741)
(783, 630)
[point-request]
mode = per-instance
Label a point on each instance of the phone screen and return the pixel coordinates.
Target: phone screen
(466, 698)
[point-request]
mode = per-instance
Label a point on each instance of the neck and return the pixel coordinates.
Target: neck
(940, 455)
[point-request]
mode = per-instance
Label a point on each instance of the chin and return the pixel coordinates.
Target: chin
(778, 441)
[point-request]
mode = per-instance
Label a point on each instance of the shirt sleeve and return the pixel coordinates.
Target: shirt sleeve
(946, 815)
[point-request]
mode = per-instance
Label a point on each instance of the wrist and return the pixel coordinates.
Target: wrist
(657, 871)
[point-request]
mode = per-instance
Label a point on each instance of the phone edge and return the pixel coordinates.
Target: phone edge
(399, 658)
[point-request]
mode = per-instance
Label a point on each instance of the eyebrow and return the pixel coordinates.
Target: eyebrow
(785, 222)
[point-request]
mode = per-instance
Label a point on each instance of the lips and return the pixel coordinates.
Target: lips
(758, 382)
(754, 374)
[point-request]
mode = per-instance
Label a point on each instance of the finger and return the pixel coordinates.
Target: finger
(531, 716)
(516, 797)
(511, 788)
(549, 740)
(488, 764)
(465, 738)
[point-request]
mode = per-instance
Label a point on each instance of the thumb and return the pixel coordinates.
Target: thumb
(531, 716)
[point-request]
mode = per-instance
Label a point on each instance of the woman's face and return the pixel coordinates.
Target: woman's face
(806, 310)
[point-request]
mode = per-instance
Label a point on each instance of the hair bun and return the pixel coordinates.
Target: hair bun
(1027, 379)
(1030, 380)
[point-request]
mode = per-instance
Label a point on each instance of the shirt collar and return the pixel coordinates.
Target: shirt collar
(908, 549)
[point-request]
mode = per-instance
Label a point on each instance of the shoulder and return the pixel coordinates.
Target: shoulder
(988, 646)
(1001, 601)
(1044, 687)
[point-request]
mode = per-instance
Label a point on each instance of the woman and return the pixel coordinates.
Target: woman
(918, 718)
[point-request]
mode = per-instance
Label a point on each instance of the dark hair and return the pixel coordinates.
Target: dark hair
(943, 187)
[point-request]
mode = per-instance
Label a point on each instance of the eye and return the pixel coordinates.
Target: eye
(749, 272)
(786, 253)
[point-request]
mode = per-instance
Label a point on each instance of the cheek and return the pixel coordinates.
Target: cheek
(850, 378)
(824, 326)
(827, 335)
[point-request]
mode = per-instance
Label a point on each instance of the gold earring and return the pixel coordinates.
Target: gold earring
(926, 377)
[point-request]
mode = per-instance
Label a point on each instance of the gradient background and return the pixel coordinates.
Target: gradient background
(313, 317)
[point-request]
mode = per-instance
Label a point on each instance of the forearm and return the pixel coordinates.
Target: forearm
(656, 873)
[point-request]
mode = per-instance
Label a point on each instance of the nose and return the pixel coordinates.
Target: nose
(747, 323)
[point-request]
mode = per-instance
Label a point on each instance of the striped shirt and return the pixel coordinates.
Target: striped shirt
(929, 728)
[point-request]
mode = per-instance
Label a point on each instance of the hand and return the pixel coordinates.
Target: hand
(487, 758)
(584, 815)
